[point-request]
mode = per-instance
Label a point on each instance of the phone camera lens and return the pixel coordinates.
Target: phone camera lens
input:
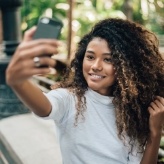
(45, 20)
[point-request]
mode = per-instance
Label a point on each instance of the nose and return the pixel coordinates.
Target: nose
(97, 65)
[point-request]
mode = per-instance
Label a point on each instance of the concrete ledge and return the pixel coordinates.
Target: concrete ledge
(29, 140)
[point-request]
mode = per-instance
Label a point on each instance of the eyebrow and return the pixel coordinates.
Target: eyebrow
(106, 53)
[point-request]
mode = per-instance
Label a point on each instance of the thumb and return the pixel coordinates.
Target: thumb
(29, 34)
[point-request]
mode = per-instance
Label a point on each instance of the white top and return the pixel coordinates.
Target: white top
(94, 139)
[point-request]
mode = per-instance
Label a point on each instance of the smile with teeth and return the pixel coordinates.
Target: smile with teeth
(96, 76)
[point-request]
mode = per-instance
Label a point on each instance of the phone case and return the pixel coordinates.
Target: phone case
(48, 28)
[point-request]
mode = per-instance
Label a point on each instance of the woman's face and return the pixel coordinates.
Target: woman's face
(98, 69)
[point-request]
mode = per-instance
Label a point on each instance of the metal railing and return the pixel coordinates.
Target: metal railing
(44, 80)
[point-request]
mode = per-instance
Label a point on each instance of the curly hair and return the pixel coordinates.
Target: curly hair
(140, 74)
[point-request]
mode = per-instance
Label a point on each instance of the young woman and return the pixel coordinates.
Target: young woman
(109, 108)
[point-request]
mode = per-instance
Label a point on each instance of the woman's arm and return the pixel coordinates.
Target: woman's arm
(22, 67)
(151, 151)
(33, 98)
(156, 122)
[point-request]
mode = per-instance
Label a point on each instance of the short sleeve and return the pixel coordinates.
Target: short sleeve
(60, 100)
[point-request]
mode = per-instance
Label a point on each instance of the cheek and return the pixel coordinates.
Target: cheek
(112, 74)
(111, 70)
(86, 66)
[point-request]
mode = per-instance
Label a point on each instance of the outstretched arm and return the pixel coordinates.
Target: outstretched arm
(156, 122)
(22, 67)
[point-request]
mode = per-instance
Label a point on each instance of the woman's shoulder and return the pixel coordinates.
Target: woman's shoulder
(60, 92)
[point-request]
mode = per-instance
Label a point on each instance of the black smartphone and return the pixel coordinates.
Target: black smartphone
(48, 28)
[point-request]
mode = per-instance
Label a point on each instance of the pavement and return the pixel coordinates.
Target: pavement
(30, 140)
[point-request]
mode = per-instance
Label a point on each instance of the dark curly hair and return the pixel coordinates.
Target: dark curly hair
(140, 74)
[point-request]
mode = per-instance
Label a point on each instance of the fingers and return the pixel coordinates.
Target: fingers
(39, 42)
(37, 51)
(158, 104)
(22, 65)
(150, 109)
(38, 48)
(29, 34)
(45, 61)
(157, 107)
(23, 71)
(160, 99)
(156, 111)
(156, 119)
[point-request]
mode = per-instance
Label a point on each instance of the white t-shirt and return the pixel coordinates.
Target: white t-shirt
(94, 140)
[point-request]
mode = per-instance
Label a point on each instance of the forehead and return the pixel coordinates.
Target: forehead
(98, 44)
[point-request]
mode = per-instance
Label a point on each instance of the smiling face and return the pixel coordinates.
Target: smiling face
(98, 69)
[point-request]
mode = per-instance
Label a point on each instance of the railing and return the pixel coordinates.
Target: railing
(40, 79)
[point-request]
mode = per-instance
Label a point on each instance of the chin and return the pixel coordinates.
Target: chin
(95, 88)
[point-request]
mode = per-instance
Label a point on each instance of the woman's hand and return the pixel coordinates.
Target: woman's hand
(22, 65)
(156, 120)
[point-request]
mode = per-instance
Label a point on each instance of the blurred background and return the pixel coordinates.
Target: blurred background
(82, 14)
(78, 16)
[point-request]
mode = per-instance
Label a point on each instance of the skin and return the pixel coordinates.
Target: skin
(22, 67)
(98, 69)
(156, 121)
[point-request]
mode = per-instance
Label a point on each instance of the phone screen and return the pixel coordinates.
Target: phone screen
(48, 28)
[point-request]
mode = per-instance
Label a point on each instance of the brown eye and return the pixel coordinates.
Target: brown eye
(90, 57)
(108, 60)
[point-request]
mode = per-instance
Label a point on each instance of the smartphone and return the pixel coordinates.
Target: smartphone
(48, 28)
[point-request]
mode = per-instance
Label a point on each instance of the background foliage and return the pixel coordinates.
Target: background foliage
(86, 12)
(149, 13)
